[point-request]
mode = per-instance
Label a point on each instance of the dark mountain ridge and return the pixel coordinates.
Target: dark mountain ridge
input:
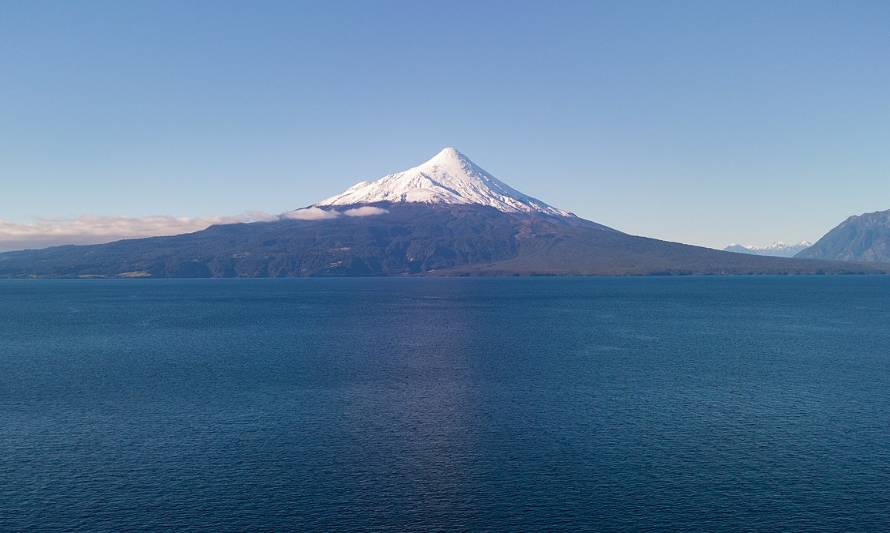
(405, 239)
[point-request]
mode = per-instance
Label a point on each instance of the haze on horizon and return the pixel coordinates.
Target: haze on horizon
(700, 122)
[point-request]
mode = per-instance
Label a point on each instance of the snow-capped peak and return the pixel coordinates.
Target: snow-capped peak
(448, 178)
(776, 249)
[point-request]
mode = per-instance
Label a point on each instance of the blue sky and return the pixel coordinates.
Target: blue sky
(703, 122)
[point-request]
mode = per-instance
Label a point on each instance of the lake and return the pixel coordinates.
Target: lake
(689, 403)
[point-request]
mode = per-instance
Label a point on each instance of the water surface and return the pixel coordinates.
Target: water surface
(520, 404)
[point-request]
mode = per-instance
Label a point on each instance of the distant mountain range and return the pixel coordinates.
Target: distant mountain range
(776, 249)
(446, 216)
(859, 238)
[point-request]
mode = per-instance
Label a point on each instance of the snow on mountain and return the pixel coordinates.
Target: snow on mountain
(448, 178)
(776, 249)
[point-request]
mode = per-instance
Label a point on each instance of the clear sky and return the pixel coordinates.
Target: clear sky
(703, 122)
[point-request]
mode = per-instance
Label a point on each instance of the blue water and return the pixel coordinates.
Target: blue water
(422, 404)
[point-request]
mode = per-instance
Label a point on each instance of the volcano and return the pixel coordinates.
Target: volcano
(444, 217)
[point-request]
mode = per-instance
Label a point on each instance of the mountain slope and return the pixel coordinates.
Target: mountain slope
(859, 238)
(568, 250)
(409, 239)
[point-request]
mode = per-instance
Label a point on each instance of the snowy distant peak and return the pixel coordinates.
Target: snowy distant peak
(448, 178)
(776, 249)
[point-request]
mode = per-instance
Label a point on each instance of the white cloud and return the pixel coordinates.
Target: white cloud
(311, 213)
(316, 213)
(365, 211)
(92, 229)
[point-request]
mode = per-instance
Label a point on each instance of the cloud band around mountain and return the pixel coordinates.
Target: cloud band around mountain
(93, 229)
(316, 213)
